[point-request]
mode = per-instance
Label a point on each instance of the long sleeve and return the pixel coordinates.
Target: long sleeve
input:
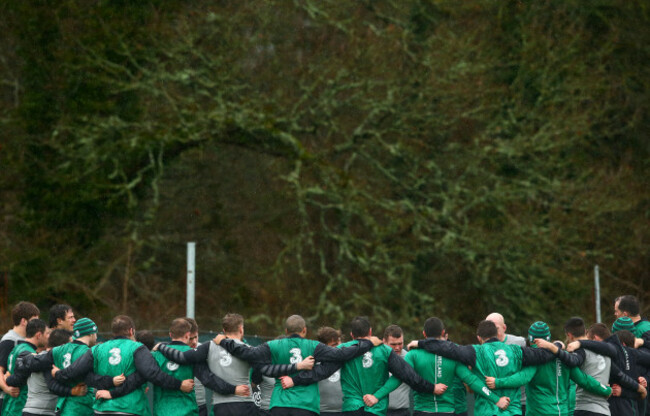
(602, 348)
(391, 384)
(211, 380)
(323, 352)
(6, 347)
(571, 359)
(475, 383)
(276, 370)
(195, 356)
(259, 355)
(400, 369)
(20, 376)
(589, 383)
(54, 386)
(147, 366)
(642, 358)
(617, 376)
(535, 356)
(465, 354)
(36, 362)
(518, 379)
(100, 382)
(321, 371)
(77, 370)
(131, 383)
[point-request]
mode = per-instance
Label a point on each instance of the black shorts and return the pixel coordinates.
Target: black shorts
(236, 409)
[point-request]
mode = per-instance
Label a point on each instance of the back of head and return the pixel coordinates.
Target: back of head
(24, 310)
(626, 337)
(575, 326)
(59, 337)
(486, 329)
(629, 304)
(146, 338)
(193, 324)
(539, 330)
(57, 312)
(295, 324)
(179, 327)
(326, 335)
(34, 327)
(232, 322)
(360, 327)
(122, 325)
(393, 331)
(433, 327)
(599, 330)
(623, 323)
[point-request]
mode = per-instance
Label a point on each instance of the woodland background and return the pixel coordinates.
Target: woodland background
(398, 159)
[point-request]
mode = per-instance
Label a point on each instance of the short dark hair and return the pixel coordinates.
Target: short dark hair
(360, 327)
(326, 334)
(599, 329)
(575, 326)
(393, 331)
(179, 327)
(193, 324)
(34, 327)
(57, 312)
(486, 329)
(295, 324)
(121, 325)
(58, 337)
(629, 304)
(24, 310)
(146, 338)
(231, 322)
(626, 337)
(433, 327)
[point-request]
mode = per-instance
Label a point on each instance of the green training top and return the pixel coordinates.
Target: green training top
(547, 387)
(365, 375)
(174, 402)
(14, 405)
(640, 328)
(292, 350)
(63, 356)
(437, 370)
(113, 358)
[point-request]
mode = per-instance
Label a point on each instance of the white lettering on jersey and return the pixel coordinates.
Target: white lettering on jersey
(486, 391)
(67, 360)
(601, 363)
(226, 358)
(335, 377)
(296, 355)
(502, 359)
(116, 356)
(172, 366)
(367, 361)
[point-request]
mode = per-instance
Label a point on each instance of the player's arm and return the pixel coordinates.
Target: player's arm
(465, 354)
(20, 376)
(393, 382)
(321, 371)
(602, 348)
(194, 356)
(55, 386)
(400, 369)
(324, 352)
(476, 384)
(643, 358)
(212, 381)
(518, 379)
(131, 383)
(255, 355)
(77, 370)
(148, 368)
(276, 370)
(5, 350)
(537, 356)
(589, 383)
(617, 376)
(35, 362)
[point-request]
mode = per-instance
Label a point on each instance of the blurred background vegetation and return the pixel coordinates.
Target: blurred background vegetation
(396, 159)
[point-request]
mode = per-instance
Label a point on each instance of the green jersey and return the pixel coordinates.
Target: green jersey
(113, 358)
(292, 350)
(13, 406)
(174, 402)
(365, 375)
(437, 370)
(547, 387)
(640, 328)
(63, 356)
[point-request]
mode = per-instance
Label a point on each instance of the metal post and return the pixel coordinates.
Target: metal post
(597, 284)
(191, 278)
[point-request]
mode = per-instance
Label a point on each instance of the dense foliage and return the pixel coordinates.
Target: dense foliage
(399, 159)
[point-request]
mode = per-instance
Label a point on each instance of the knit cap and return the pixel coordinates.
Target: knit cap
(539, 330)
(623, 323)
(83, 327)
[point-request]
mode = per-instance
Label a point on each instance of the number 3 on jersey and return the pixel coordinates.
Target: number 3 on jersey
(116, 356)
(502, 359)
(296, 355)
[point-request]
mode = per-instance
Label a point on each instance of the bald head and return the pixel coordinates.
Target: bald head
(500, 323)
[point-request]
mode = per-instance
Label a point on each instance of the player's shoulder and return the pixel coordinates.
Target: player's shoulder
(515, 340)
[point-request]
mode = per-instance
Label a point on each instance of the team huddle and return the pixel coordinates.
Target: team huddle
(59, 368)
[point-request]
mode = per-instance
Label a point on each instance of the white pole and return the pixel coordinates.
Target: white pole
(191, 278)
(597, 284)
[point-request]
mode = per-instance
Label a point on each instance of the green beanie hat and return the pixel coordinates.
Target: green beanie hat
(539, 330)
(83, 327)
(623, 323)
